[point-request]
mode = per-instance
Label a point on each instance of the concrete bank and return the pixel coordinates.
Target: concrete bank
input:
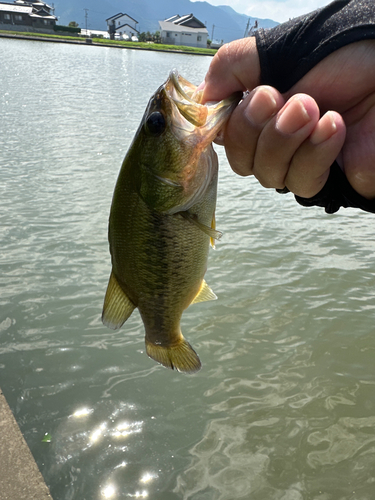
(94, 44)
(20, 478)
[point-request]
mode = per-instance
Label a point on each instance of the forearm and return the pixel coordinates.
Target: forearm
(288, 51)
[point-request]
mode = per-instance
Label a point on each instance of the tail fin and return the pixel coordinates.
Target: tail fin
(180, 357)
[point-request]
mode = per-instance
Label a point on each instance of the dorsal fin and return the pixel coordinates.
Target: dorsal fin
(117, 306)
(205, 293)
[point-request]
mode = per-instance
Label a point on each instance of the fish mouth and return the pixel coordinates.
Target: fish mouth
(187, 101)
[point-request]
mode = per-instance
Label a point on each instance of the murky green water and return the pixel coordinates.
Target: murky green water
(284, 407)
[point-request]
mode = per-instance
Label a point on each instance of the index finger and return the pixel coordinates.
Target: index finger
(234, 67)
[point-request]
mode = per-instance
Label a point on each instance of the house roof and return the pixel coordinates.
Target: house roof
(15, 8)
(173, 18)
(120, 14)
(115, 16)
(43, 17)
(167, 26)
(43, 13)
(34, 2)
(187, 20)
(190, 18)
(126, 24)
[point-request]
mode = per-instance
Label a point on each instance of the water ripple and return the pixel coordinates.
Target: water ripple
(284, 406)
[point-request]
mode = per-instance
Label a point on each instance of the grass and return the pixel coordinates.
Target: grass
(156, 46)
(120, 43)
(43, 35)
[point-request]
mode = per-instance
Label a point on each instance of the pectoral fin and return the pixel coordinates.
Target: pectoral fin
(210, 231)
(117, 306)
(213, 227)
(205, 293)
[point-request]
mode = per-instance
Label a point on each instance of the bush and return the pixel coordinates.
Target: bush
(66, 29)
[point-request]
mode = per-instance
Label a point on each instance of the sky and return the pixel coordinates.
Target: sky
(277, 10)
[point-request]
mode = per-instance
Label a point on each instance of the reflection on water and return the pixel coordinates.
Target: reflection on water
(284, 406)
(85, 434)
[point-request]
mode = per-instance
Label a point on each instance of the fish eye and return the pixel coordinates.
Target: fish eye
(155, 123)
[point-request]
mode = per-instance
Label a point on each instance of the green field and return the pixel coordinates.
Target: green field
(118, 43)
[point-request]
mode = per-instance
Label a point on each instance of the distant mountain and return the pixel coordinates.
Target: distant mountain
(242, 19)
(222, 22)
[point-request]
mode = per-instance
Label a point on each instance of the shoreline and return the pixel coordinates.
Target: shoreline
(20, 478)
(90, 42)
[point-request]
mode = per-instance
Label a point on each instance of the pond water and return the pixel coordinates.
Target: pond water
(284, 406)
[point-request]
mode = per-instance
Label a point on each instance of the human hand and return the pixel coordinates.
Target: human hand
(292, 139)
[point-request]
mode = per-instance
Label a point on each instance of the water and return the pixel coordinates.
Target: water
(284, 407)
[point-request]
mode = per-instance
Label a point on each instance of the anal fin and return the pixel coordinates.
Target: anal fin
(117, 306)
(205, 293)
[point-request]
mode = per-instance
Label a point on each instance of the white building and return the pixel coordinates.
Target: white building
(94, 33)
(183, 30)
(122, 26)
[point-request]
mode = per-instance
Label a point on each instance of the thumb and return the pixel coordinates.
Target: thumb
(234, 67)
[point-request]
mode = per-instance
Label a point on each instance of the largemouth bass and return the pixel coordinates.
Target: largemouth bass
(163, 217)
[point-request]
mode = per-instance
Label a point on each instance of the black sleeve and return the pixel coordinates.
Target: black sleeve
(337, 192)
(288, 51)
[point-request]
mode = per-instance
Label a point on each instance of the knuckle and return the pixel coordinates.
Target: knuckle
(271, 179)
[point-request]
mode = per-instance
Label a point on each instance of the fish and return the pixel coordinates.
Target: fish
(162, 219)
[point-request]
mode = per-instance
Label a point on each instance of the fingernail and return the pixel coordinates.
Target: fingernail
(201, 86)
(293, 117)
(326, 130)
(262, 106)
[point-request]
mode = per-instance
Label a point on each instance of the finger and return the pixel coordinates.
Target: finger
(234, 67)
(311, 163)
(281, 138)
(246, 124)
(358, 154)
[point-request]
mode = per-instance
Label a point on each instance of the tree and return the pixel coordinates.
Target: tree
(157, 37)
(149, 37)
(73, 24)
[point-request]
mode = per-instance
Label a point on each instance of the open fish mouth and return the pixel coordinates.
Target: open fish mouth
(184, 88)
(187, 100)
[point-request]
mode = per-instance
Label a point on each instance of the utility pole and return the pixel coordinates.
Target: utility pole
(86, 17)
(212, 35)
(247, 28)
(252, 29)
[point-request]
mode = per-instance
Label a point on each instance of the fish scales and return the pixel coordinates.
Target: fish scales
(162, 220)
